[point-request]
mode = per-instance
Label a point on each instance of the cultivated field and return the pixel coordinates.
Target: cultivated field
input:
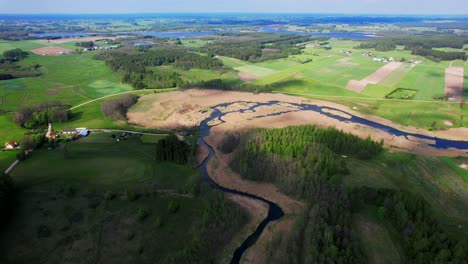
(454, 78)
(375, 78)
(51, 51)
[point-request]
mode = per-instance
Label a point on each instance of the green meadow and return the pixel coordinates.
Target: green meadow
(99, 199)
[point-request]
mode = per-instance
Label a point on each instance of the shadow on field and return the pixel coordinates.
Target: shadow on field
(75, 116)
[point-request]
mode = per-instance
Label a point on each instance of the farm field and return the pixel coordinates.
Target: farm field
(112, 191)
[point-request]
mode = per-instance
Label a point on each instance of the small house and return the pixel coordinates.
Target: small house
(69, 131)
(11, 145)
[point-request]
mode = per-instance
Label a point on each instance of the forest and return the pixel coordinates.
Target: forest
(256, 48)
(138, 66)
(421, 45)
(307, 162)
(423, 239)
(41, 114)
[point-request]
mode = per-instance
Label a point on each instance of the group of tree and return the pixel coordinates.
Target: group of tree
(41, 114)
(15, 54)
(423, 238)
(422, 45)
(117, 108)
(9, 69)
(85, 44)
(172, 149)
(257, 47)
(139, 66)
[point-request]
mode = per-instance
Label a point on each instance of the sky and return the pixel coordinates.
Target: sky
(239, 6)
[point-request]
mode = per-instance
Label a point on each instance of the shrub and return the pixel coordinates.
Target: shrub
(117, 108)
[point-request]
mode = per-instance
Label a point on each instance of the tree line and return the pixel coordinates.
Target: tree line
(138, 66)
(257, 47)
(41, 114)
(117, 108)
(422, 45)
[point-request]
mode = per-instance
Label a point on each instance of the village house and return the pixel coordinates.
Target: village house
(69, 131)
(11, 145)
(348, 52)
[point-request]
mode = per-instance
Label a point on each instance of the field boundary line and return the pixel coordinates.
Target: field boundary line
(365, 98)
(127, 92)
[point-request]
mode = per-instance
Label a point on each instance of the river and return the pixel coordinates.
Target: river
(275, 212)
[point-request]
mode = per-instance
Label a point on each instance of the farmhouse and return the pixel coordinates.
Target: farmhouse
(11, 145)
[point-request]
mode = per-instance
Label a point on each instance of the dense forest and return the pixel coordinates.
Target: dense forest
(295, 157)
(423, 239)
(422, 45)
(256, 48)
(117, 108)
(41, 114)
(138, 66)
(307, 162)
(10, 70)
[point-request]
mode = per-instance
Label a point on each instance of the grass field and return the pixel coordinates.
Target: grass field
(70, 79)
(98, 200)
(379, 241)
(429, 177)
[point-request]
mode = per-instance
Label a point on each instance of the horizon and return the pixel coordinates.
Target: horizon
(357, 7)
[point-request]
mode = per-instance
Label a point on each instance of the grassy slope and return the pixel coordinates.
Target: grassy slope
(84, 227)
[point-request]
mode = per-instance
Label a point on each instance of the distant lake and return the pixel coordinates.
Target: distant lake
(337, 35)
(185, 34)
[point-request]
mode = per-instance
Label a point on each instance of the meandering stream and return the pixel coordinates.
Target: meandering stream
(275, 212)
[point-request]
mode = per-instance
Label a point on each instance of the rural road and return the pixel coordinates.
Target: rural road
(108, 130)
(364, 98)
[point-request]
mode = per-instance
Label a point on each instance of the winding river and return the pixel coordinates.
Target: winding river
(275, 212)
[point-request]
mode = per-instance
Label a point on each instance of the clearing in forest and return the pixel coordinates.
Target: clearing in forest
(454, 78)
(375, 78)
